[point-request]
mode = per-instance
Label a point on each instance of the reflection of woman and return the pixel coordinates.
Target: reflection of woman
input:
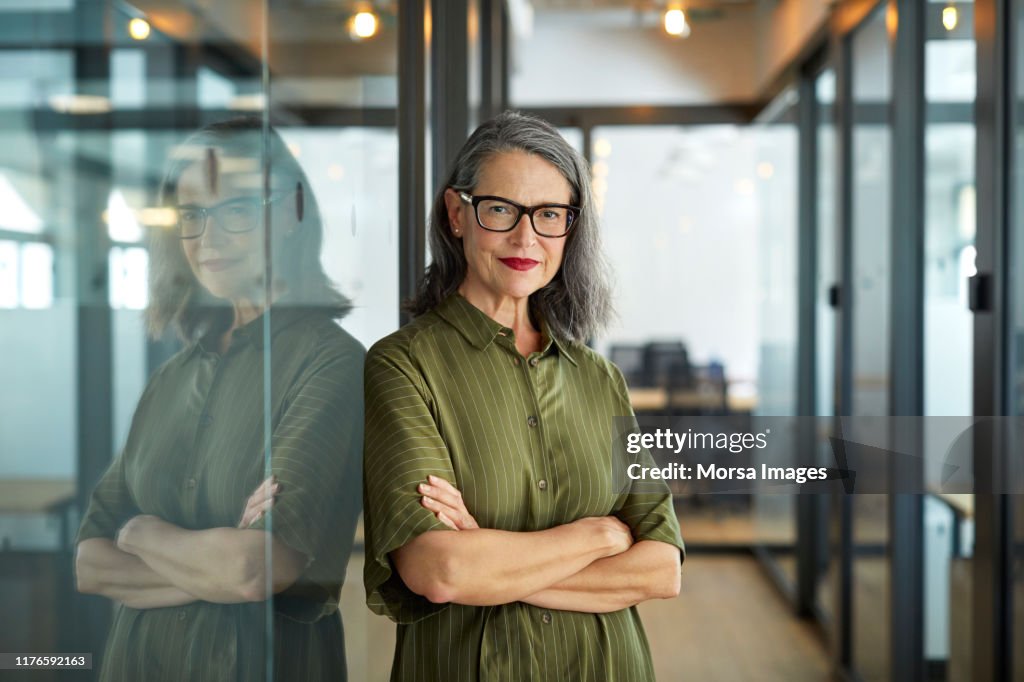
(178, 531)
(531, 565)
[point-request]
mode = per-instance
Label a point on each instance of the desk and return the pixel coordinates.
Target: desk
(28, 496)
(657, 400)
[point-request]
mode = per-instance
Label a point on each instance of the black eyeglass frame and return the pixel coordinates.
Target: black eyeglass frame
(574, 213)
(206, 211)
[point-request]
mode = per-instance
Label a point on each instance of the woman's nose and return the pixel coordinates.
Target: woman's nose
(213, 235)
(522, 233)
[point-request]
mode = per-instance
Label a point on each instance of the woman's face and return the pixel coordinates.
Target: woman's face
(516, 263)
(227, 257)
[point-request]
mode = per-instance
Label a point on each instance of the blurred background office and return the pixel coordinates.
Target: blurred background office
(812, 208)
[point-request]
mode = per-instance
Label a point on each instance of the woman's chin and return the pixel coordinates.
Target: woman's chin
(228, 289)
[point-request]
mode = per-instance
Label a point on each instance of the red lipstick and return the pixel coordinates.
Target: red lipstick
(521, 264)
(218, 264)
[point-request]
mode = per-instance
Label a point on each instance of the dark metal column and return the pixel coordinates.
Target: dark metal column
(413, 18)
(842, 511)
(994, 22)
(494, 65)
(806, 505)
(169, 63)
(906, 387)
(449, 83)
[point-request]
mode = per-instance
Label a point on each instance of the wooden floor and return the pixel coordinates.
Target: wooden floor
(729, 623)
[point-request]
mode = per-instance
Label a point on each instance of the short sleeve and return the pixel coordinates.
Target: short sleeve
(316, 450)
(110, 506)
(111, 503)
(403, 446)
(647, 507)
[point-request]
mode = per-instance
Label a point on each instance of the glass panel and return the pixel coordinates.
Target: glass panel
(870, 293)
(776, 177)
(151, 383)
(1016, 339)
(827, 197)
(949, 213)
(715, 219)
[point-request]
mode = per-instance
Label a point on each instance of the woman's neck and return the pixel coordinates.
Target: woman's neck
(244, 311)
(507, 311)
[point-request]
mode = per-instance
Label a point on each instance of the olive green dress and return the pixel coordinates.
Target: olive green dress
(528, 442)
(194, 455)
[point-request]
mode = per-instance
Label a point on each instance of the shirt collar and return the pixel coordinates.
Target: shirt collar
(281, 317)
(481, 331)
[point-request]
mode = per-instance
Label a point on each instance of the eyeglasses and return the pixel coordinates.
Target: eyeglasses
(499, 214)
(235, 216)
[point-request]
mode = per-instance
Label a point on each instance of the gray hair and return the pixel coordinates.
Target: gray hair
(177, 299)
(576, 304)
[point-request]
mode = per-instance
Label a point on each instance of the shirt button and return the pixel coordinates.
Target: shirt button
(542, 484)
(190, 483)
(531, 421)
(534, 361)
(546, 617)
(515, 361)
(181, 615)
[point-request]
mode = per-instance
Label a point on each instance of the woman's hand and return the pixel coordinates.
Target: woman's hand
(444, 499)
(259, 502)
(133, 532)
(617, 535)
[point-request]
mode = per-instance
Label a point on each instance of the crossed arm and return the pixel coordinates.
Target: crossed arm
(153, 563)
(590, 565)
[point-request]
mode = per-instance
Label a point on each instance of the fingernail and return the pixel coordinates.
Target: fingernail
(432, 478)
(424, 487)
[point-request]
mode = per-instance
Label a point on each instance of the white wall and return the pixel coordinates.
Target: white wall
(681, 222)
(608, 57)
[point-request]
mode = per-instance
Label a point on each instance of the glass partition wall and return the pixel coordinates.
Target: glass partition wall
(198, 240)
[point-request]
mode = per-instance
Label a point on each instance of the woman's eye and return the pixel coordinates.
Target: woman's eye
(499, 209)
(188, 216)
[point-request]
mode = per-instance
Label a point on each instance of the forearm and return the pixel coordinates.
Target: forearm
(101, 568)
(647, 570)
(483, 567)
(222, 565)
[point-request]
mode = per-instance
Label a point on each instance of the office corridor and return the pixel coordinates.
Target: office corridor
(729, 623)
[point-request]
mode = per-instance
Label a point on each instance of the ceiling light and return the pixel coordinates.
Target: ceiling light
(950, 17)
(255, 101)
(80, 104)
(676, 24)
(363, 25)
(138, 29)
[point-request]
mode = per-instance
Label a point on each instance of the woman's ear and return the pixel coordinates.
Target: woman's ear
(453, 205)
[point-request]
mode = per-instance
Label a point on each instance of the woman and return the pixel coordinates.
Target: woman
(179, 530)
(496, 537)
